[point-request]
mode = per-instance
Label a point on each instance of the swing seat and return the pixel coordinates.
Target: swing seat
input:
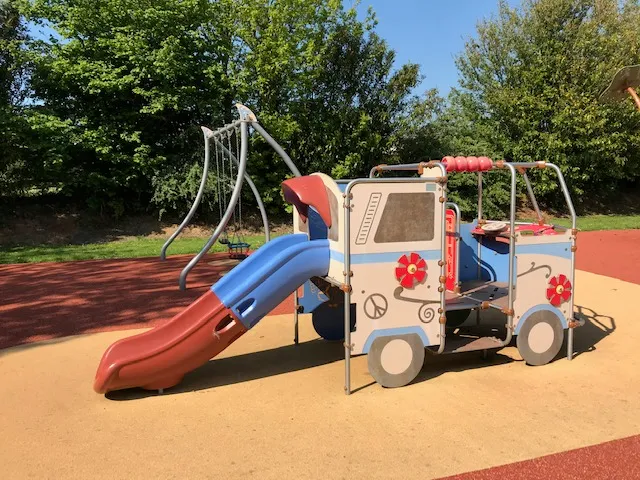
(224, 241)
(238, 249)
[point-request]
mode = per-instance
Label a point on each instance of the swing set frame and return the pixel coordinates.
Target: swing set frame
(238, 249)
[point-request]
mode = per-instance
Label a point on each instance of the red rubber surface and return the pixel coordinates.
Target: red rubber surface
(614, 253)
(617, 460)
(42, 301)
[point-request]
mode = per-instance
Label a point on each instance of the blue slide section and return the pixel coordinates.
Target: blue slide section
(269, 275)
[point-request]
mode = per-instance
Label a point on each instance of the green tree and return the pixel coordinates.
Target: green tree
(13, 89)
(323, 82)
(127, 83)
(530, 83)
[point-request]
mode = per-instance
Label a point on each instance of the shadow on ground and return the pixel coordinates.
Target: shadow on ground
(249, 366)
(596, 328)
(291, 358)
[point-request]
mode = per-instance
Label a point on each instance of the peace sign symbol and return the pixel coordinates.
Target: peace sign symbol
(375, 306)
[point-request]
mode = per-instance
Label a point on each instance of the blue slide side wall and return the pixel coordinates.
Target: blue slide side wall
(262, 281)
(230, 280)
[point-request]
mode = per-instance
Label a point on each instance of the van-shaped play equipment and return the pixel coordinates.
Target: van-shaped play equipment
(385, 266)
(405, 272)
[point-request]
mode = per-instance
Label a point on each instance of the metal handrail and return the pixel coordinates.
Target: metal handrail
(391, 168)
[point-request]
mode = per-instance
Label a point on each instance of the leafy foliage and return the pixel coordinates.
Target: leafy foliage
(13, 78)
(530, 87)
(127, 84)
(107, 109)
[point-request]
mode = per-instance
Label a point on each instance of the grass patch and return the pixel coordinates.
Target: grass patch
(602, 222)
(130, 248)
(150, 247)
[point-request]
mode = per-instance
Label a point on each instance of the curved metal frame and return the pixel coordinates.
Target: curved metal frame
(196, 202)
(208, 134)
(247, 117)
(242, 166)
(279, 150)
(252, 186)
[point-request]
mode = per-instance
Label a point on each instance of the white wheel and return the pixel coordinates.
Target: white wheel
(396, 360)
(540, 338)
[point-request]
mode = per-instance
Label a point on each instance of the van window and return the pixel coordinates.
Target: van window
(407, 217)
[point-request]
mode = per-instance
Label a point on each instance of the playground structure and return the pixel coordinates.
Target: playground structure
(239, 132)
(624, 83)
(385, 265)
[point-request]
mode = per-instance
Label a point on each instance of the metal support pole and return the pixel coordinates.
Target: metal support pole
(572, 211)
(512, 252)
(443, 260)
(347, 290)
(479, 196)
(296, 337)
(230, 208)
(479, 247)
(252, 186)
(532, 196)
(570, 344)
(205, 171)
(279, 150)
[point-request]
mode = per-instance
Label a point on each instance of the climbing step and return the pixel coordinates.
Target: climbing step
(369, 216)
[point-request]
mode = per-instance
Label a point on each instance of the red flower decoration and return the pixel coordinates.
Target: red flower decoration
(412, 270)
(559, 290)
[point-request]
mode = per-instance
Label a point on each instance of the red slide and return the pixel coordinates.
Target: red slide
(159, 358)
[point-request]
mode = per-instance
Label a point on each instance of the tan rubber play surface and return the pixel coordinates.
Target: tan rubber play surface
(268, 409)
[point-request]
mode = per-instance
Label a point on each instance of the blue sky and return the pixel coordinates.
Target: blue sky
(429, 32)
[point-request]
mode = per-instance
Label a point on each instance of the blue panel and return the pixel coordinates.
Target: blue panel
(538, 308)
(271, 278)
(343, 186)
(495, 255)
(560, 249)
(495, 258)
(386, 257)
(317, 227)
(468, 260)
(311, 297)
(395, 331)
